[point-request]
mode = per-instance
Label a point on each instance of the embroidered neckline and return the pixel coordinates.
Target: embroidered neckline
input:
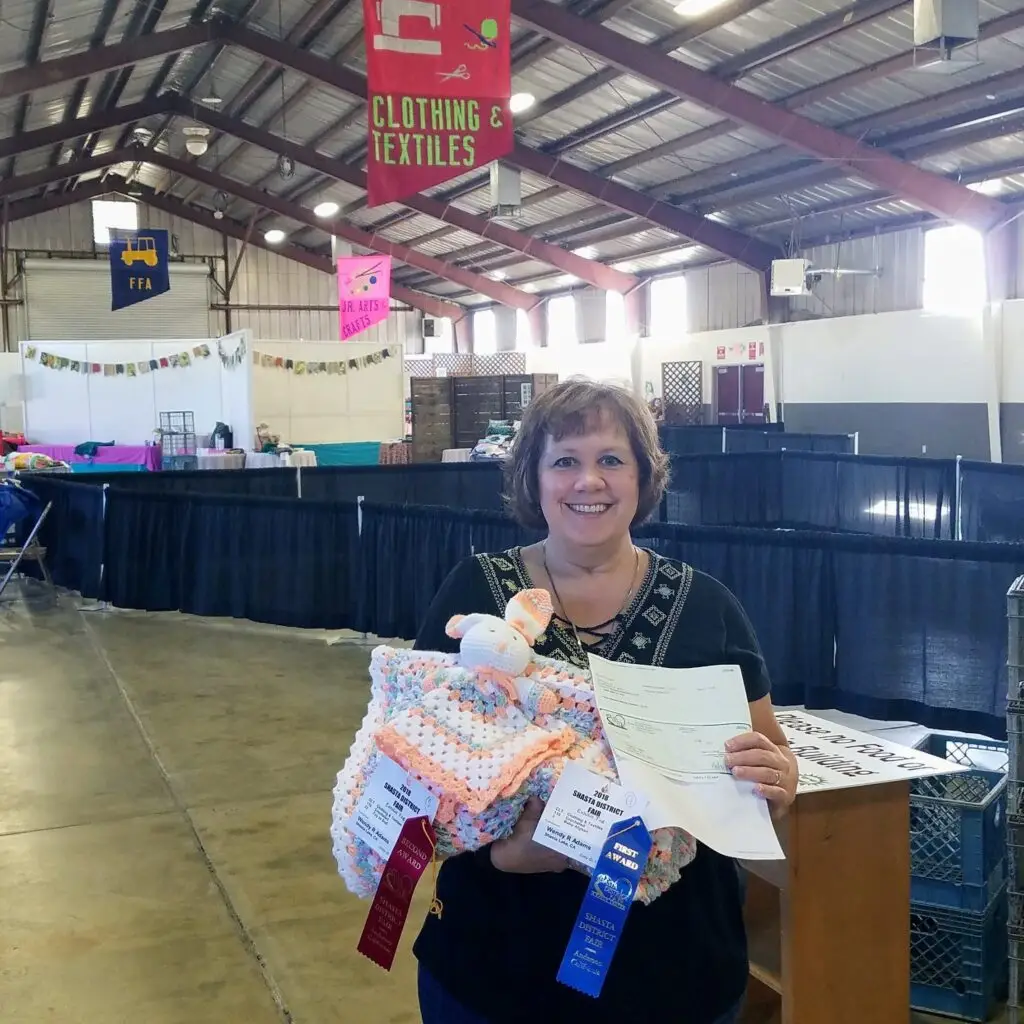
(644, 630)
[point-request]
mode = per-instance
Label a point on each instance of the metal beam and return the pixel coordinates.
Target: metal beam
(827, 90)
(587, 270)
(430, 304)
(312, 22)
(944, 198)
(503, 293)
(751, 252)
(730, 70)
(748, 251)
(712, 19)
(764, 169)
(50, 175)
(38, 205)
(19, 81)
(65, 131)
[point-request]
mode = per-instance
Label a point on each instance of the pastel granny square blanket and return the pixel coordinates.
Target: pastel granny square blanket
(483, 741)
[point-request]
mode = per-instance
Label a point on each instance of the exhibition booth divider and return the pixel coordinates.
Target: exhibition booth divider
(888, 627)
(883, 495)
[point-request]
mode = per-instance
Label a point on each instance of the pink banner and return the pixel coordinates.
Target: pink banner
(364, 293)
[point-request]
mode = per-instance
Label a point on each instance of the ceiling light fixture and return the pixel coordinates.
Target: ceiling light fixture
(989, 187)
(328, 208)
(275, 236)
(497, 275)
(521, 101)
(695, 8)
(195, 139)
(587, 252)
(212, 98)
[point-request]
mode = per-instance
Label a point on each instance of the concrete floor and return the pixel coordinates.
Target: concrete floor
(164, 813)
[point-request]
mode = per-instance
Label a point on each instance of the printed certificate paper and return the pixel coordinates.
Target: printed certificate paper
(581, 811)
(390, 799)
(667, 729)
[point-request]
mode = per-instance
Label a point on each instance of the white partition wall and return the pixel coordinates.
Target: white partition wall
(67, 407)
(366, 403)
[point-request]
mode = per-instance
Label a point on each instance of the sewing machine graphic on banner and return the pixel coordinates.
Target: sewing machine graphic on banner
(390, 14)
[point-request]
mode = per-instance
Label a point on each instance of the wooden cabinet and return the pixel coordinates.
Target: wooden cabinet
(829, 928)
(453, 412)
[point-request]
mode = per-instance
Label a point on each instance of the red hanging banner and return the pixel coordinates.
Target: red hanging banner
(439, 79)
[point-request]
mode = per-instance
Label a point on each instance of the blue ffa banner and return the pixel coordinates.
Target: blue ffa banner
(139, 268)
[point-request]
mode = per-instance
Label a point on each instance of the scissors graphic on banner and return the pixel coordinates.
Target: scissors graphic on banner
(461, 72)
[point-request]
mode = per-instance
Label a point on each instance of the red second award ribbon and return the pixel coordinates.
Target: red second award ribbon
(390, 907)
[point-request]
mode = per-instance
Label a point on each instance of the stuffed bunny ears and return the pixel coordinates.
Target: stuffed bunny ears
(528, 612)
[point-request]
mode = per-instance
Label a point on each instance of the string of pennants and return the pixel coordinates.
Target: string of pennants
(308, 366)
(176, 360)
(179, 360)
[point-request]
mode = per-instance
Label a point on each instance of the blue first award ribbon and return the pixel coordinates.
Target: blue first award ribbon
(605, 907)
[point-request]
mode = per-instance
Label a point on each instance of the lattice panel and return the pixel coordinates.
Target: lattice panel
(499, 364)
(422, 367)
(682, 392)
(457, 364)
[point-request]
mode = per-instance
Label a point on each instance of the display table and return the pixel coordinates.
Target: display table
(207, 459)
(126, 454)
(456, 454)
(263, 460)
(305, 459)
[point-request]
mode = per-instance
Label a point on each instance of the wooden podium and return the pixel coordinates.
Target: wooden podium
(829, 927)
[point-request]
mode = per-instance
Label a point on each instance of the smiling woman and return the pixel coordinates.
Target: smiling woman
(586, 468)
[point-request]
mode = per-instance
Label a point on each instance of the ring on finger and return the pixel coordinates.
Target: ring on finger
(778, 777)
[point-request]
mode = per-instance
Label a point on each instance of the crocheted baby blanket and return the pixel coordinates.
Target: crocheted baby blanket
(482, 752)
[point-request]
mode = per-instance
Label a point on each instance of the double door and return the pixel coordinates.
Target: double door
(739, 394)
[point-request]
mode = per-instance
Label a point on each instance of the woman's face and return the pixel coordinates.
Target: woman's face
(589, 485)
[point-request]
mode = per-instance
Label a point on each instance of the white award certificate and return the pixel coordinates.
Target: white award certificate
(667, 729)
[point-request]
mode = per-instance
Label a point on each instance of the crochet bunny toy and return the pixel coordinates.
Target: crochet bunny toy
(483, 730)
(500, 650)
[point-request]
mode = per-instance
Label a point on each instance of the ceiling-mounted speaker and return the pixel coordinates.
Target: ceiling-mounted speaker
(506, 192)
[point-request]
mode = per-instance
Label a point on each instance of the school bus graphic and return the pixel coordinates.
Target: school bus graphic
(140, 250)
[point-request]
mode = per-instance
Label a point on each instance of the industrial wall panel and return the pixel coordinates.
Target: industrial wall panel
(897, 260)
(69, 300)
(278, 298)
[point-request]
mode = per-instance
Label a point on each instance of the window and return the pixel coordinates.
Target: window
(485, 332)
(668, 306)
(112, 215)
(562, 322)
(615, 317)
(954, 270)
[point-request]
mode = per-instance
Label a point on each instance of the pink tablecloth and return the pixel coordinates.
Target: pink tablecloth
(131, 454)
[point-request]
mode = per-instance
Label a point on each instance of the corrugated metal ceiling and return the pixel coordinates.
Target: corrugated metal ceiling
(336, 123)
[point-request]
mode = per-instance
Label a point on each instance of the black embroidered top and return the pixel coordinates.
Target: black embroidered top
(500, 940)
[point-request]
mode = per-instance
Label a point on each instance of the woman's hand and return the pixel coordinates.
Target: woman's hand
(755, 758)
(519, 854)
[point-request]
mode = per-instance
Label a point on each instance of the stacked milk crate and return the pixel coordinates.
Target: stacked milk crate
(1015, 796)
(958, 880)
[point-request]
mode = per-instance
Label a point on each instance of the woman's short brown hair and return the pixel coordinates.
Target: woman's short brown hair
(573, 408)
